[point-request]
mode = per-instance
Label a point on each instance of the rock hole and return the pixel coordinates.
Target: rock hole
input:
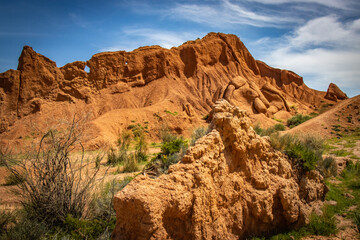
(87, 69)
(126, 63)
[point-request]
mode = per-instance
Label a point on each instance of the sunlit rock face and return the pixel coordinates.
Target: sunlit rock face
(230, 185)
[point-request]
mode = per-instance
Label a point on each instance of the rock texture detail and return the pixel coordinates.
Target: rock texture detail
(230, 185)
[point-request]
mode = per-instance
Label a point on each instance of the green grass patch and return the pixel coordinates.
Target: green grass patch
(171, 113)
(297, 120)
(341, 153)
(304, 151)
(268, 131)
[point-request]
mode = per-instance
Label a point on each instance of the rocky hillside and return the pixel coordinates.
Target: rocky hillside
(174, 86)
(341, 119)
(241, 187)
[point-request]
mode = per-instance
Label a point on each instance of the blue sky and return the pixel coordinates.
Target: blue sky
(317, 39)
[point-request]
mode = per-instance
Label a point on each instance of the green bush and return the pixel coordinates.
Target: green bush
(174, 146)
(279, 127)
(305, 150)
(171, 152)
(27, 229)
(297, 120)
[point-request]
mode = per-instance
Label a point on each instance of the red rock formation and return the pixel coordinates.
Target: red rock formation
(151, 79)
(334, 93)
(230, 185)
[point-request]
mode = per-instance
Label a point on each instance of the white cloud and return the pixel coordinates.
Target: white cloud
(326, 31)
(136, 37)
(341, 4)
(227, 14)
(324, 50)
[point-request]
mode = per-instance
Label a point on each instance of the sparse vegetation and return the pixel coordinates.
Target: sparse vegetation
(268, 131)
(57, 193)
(44, 198)
(205, 117)
(297, 120)
(198, 133)
(305, 151)
(328, 167)
(124, 156)
(341, 153)
(172, 150)
(171, 113)
(325, 107)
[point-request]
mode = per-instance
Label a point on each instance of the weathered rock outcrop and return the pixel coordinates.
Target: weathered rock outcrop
(334, 93)
(230, 185)
(152, 80)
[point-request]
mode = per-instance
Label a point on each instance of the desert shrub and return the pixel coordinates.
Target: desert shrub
(305, 151)
(351, 170)
(297, 120)
(27, 229)
(141, 148)
(54, 186)
(6, 220)
(258, 129)
(86, 228)
(328, 167)
(165, 134)
(325, 107)
(198, 133)
(172, 147)
(323, 225)
(14, 180)
(112, 157)
(279, 127)
(101, 205)
(268, 131)
(123, 156)
(101, 218)
(171, 153)
(131, 164)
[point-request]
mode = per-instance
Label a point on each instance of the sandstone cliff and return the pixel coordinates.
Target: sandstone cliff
(230, 185)
(187, 79)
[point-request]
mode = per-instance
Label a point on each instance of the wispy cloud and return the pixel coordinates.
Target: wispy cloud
(133, 38)
(341, 4)
(227, 14)
(323, 50)
(78, 20)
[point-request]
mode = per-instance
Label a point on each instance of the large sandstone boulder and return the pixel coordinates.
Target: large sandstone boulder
(334, 93)
(230, 185)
